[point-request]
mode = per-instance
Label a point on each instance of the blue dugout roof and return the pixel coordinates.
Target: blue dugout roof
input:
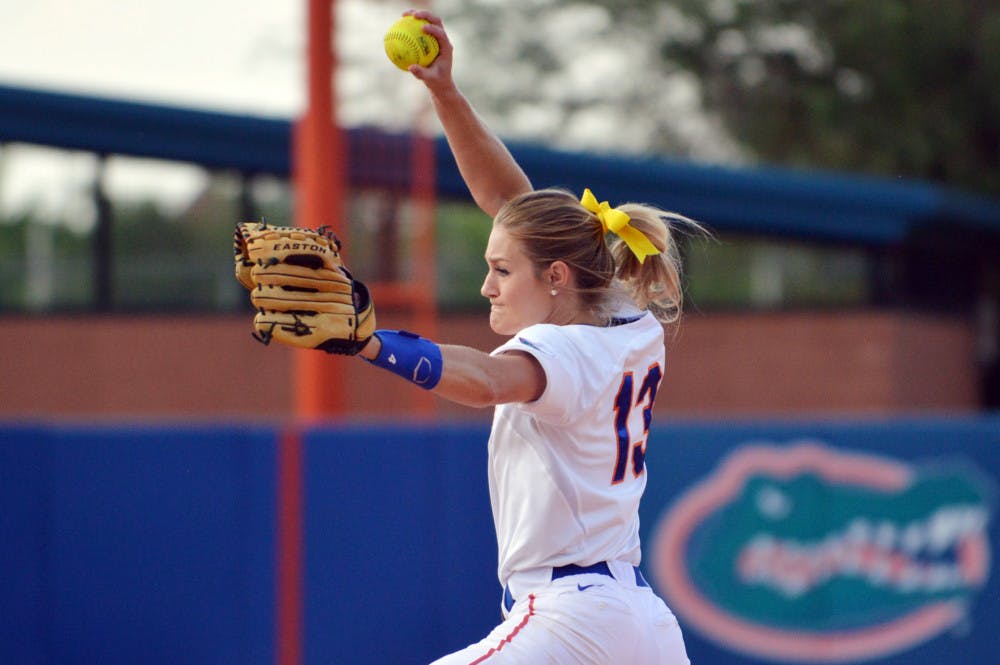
(763, 201)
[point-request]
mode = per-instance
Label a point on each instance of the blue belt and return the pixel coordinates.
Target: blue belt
(600, 568)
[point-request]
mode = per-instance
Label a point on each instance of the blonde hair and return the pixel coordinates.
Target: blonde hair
(552, 225)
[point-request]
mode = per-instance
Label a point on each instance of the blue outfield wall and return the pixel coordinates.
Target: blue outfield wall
(774, 542)
(134, 544)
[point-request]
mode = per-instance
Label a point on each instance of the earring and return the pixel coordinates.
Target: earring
(553, 292)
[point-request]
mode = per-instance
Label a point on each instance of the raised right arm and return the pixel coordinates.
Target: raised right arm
(489, 170)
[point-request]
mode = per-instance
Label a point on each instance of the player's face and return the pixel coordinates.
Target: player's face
(518, 296)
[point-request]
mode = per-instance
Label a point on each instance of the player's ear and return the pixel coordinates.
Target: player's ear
(558, 275)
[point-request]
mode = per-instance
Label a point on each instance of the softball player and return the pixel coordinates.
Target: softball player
(573, 391)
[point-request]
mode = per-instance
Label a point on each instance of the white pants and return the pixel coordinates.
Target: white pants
(582, 619)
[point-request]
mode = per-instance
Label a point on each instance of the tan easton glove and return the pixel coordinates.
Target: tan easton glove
(303, 294)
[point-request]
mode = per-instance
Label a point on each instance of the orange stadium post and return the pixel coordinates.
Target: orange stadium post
(319, 173)
(318, 177)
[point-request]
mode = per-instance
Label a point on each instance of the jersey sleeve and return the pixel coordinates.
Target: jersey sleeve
(562, 365)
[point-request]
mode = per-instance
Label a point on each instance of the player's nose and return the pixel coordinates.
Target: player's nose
(488, 290)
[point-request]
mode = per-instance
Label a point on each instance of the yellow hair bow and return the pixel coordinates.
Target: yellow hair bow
(617, 222)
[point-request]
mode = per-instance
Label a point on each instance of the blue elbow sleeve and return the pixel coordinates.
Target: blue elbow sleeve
(410, 356)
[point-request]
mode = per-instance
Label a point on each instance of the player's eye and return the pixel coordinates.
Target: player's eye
(496, 269)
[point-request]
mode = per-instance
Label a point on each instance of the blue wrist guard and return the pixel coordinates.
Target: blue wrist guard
(409, 355)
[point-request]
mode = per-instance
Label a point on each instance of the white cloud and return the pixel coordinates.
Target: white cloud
(222, 54)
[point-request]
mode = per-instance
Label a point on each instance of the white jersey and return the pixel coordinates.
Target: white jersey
(566, 472)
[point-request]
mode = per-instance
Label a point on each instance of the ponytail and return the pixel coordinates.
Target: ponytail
(654, 283)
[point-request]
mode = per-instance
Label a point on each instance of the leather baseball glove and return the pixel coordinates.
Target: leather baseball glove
(303, 294)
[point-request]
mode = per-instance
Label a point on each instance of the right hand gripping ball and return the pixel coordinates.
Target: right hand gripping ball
(407, 44)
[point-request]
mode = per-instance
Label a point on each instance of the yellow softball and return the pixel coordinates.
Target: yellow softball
(407, 44)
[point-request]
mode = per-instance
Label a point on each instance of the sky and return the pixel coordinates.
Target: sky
(227, 55)
(248, 57)
(221, 53)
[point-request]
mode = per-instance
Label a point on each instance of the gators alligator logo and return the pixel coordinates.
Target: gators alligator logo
(811, 554)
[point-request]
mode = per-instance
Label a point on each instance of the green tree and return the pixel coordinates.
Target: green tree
(893, 87)
(905, 88)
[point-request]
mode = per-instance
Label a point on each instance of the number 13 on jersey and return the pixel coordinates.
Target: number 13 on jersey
(624, 404)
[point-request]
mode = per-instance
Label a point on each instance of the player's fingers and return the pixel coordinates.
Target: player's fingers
(330, 281)
(293, 282)
(445, 48)
(435, 28)
(419, 72)
(438, 73)
(425, 74)
(284, 301)
(424, 14)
